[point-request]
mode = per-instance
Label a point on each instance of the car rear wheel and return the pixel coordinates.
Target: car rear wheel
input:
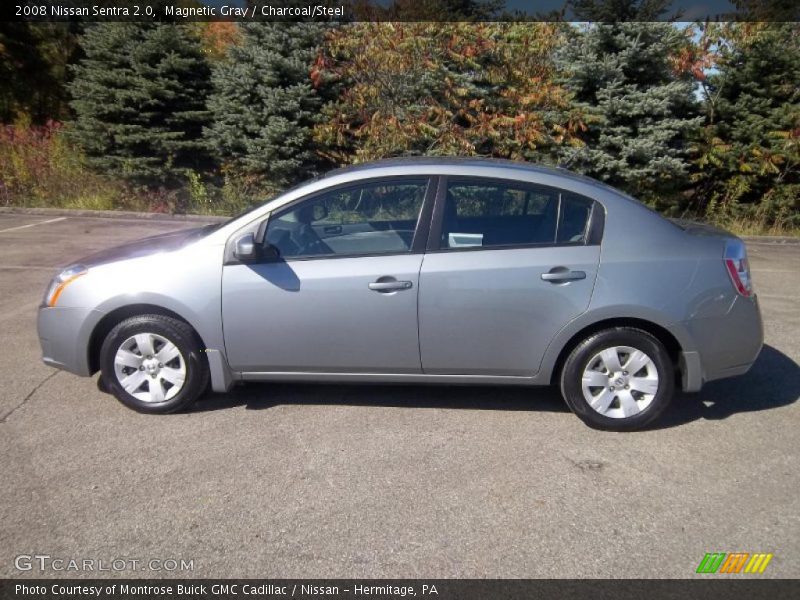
(618, 379)
(153, 364)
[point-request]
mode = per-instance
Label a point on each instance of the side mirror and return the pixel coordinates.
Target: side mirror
(246, 249)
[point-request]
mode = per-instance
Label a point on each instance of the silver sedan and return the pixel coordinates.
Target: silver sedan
(446, 271)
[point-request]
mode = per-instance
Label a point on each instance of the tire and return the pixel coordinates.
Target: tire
(153, 364)
(614, 406)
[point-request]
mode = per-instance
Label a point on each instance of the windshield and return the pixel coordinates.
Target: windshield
(251, 207)
(205, 230)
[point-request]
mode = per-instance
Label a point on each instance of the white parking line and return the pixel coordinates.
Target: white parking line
(33, 224)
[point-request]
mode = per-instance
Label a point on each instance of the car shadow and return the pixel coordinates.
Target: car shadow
(258, 396)
(773, 381)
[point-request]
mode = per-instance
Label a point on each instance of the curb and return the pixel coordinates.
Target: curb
(771, 240)
(109, 214)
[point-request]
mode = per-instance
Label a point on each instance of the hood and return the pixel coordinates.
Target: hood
(165, 242)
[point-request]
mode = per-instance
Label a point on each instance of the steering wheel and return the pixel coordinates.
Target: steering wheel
(316, 247)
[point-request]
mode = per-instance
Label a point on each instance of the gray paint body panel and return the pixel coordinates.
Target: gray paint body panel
(319, 315)
(488, 312)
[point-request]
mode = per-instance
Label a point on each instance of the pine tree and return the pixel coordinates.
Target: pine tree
(139, 98)
(33, 59)
(264, 104)
(637, 109)
(749, 161)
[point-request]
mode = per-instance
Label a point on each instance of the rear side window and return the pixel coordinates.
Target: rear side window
(495, 214)
(574, 218)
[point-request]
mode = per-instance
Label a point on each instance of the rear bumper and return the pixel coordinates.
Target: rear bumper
(724, 346)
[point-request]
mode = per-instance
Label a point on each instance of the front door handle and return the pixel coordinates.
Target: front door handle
(562, 275)
(390, 286)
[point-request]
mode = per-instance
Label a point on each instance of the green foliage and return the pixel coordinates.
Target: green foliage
(139, 99)
(443, 89)
(638, 109)
(748, 154)
(265, 106)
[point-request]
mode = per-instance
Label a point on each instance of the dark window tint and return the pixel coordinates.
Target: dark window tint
(574, 218)
(498, 214)
(373, 218)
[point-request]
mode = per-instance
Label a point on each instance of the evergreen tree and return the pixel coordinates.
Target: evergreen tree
(139, 98)
(264, 104)
(33, 65)
(637, 109)
(749, 158)
(619, 10)
(428, 10)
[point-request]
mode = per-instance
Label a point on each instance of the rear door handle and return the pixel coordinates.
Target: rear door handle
(562, 275)
(390, 286)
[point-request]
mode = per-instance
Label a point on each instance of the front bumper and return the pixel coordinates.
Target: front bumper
(64, 335)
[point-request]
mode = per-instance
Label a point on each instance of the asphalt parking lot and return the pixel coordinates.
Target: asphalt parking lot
(299, 480)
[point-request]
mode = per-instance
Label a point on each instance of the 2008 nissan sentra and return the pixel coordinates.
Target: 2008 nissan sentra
(443, 271)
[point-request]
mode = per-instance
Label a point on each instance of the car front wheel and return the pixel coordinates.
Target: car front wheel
(618, 379)
(153, 364)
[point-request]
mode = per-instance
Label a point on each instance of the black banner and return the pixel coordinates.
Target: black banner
(383, 589)
(343, 11)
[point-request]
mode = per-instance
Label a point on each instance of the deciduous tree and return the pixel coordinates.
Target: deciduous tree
(748, 156)
(444, 89)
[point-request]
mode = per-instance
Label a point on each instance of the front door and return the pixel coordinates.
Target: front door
(342, 297)
(512, 264)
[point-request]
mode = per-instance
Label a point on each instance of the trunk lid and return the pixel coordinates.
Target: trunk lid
(702, 229)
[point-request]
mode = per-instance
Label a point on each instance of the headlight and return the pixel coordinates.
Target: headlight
(61, 281)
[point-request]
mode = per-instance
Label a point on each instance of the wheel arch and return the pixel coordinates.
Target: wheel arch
(661, 333)
(116, 316)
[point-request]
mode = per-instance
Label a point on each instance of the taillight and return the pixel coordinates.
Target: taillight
(738, 267)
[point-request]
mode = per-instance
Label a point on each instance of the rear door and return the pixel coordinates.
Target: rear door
(508, 265)
(342, 296)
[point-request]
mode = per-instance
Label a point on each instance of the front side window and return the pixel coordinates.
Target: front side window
(489, 214)
(371, 218)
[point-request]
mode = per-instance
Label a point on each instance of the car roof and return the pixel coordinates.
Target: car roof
(476, 162)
